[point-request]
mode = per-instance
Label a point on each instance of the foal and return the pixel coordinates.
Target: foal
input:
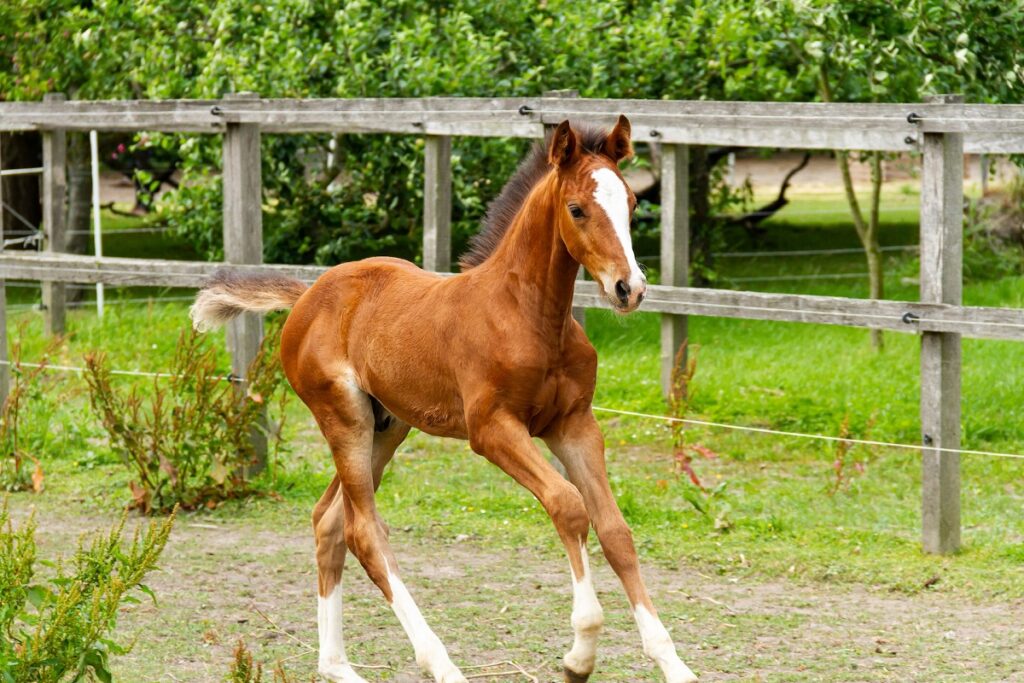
(491, 355)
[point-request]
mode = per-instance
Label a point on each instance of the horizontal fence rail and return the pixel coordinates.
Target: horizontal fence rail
(888, 127)
(900, 316)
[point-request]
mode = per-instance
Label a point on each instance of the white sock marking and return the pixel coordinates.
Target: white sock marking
(430, 651)
(333, 663)
(659, 647)
(610, 194)
(587, 620)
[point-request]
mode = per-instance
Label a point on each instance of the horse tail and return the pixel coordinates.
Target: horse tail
(227, 295)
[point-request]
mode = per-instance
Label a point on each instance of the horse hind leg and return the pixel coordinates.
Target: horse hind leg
(329, 531)
(346, 418)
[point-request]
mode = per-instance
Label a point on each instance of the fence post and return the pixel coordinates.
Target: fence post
(437, 204)
(675, 250)
(55, 183)
(5, 370)
(243, 242)
(942, 203)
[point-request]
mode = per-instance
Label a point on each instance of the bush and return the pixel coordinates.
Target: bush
(994, 235)
(60, 627)
(245, 670)
(187, 441)
(26, 386)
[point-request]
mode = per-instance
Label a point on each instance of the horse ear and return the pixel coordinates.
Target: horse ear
(563, 150)
(617, 146)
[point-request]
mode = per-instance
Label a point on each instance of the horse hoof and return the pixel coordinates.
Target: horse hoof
(340, 673)
(573, 677)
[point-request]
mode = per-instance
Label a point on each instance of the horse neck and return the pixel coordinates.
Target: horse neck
(533, 260)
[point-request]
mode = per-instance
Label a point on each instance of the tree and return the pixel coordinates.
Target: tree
(880, 51)
(369, 199)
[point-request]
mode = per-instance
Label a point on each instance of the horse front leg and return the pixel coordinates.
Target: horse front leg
(506, 442)
(577, 441)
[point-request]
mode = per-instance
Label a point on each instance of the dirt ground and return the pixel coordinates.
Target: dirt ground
(243, 578)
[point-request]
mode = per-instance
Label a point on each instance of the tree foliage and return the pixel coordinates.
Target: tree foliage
(369, 200)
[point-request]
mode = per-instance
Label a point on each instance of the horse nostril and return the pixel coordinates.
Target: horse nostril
(622, 291)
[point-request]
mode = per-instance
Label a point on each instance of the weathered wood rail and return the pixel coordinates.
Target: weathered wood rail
(941, 129)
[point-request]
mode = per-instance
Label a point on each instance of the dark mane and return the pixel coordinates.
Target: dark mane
(503, 209)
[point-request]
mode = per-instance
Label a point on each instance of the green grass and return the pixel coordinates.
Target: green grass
(782, 521)
(789, 377)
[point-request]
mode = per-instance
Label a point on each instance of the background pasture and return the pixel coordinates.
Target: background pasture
(791, 569)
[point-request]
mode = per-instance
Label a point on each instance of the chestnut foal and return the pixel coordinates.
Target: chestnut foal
(491, 355)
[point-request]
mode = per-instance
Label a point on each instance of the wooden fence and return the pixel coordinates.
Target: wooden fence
(941, 129)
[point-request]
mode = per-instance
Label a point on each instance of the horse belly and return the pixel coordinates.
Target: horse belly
(411, 375)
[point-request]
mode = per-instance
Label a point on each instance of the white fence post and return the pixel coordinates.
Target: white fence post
(97, 225)
(5, 370)
(942, 203)
(55, 182)
(437, 204)
(243, 242)
(675, 250)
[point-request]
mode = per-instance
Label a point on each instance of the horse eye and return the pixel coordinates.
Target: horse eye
(576, 211)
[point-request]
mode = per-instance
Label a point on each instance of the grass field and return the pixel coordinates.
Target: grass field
(788, 573)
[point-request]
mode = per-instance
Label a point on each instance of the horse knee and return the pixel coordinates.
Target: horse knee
(365, 538)
(617, 542)
(568, 512)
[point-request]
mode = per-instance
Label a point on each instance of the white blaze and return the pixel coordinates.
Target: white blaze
(333, 664)
(659, 647)
(587, 620)
(610, 194)
(430, 651)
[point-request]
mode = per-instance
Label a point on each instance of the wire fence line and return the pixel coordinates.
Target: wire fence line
(814, 212)
(811, 252)
(74, 369)
(615, 411)
(125, 231)
(89, 303)
(27, 284)
(795, 252)
(804, 435)
(814, 276)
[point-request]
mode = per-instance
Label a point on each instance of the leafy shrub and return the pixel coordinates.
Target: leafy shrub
(60, 627)
(245, 670)
(684, 369)
(994, 235)
(26, 386)
(187, 441)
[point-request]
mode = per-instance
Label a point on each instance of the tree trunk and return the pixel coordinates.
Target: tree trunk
(79, 192)
(867, 230)
(876, 282)
(872, 249)
(701, 222)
